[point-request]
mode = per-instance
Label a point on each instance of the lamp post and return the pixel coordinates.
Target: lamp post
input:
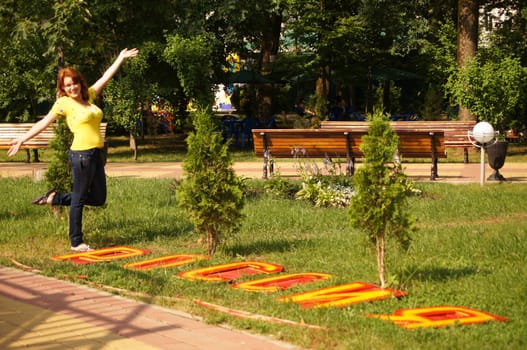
(482, 136)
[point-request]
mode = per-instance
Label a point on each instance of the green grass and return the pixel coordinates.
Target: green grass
(470, 250)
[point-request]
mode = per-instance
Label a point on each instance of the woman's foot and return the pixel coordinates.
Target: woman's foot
(46, 198)
(81, 248)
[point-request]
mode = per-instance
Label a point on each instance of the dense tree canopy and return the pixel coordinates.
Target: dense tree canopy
(399, 53)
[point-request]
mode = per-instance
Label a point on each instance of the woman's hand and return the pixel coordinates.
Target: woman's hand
(34, 131)
(126, 53)
(15, 146)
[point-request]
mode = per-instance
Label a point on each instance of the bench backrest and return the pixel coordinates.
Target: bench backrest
(10, 131)
(312, 143)
(456, 131)
(321, 143)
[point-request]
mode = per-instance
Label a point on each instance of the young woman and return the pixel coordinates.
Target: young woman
(75, 103)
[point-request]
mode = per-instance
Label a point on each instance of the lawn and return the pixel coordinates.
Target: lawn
(470, 250)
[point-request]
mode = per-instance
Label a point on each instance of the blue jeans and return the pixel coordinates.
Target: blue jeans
(89, 188)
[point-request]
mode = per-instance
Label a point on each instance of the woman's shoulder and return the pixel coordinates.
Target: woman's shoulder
(92, 95)
(61, 105)
(63, 100)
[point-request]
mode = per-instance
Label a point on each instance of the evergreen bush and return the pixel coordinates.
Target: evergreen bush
(58, 174)
(378, 207)
(211, 193)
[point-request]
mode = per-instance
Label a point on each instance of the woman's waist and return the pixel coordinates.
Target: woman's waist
(86, 142)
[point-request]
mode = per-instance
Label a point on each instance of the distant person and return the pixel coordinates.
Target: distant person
(75, 103)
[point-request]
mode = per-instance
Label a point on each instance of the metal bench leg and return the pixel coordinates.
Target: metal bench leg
(327, 161)
(266, 162)
(433, 173)
(433, 170)
(28, 156)
(36, 159)
(465, 155)
(268, 167)
(350, 167)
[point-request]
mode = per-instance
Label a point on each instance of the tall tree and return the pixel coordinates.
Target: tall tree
(322, 29)
(467, 40)
(258, 28)
(26, 76)
(270, 42)
(192, 59)
(507, 21)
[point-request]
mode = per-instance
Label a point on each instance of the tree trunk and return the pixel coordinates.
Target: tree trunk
(212, 241)
(380, 247)
(133, 144)
(322, 85)
(467, 40)
(269, 50)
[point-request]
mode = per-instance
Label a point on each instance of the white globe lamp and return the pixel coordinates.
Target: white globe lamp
(483, 132)
(481, 136)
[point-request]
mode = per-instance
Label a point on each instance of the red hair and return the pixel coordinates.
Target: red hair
(77, 78)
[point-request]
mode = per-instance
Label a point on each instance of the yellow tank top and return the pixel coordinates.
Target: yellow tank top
(82, 120)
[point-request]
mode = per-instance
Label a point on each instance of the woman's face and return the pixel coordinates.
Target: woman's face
(72, 88)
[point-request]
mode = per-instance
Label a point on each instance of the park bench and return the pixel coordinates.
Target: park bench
(10, 131)
(456, 131)
(340, 143)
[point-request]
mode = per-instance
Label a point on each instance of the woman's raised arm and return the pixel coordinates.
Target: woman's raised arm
(110, 72)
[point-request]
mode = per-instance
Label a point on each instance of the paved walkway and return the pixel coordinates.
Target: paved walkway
(37, 312)
(448, 172)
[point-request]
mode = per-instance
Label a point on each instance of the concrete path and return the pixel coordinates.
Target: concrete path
(37, 312)
(448, 172)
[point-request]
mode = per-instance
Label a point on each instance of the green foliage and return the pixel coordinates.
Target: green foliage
(350, 38)
(280, 187)
(125, 93)
(442, 52)
(25, 75)
(192, 58)
(64, 28)
(327, 187)
(394, 93)
(433, 103)
(379, 205)
(121, 105)
(510, 36)
(319, 106)
(58, 174)
(493, 88)
(211, 193)
(130, 95)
